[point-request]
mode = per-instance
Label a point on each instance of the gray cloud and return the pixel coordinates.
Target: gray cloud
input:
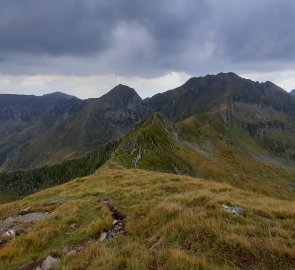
(257, 30)
(145, 38)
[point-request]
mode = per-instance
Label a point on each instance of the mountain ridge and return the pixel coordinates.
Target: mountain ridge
(186, 174)
(79, 126)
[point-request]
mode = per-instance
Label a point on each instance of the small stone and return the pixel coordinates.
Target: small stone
(65, 250)
(10, 234)
(156, 244)
(80, 248)
(25, 210)
(115, 222)
(50, 263)
(102, 237)
(73, 225)
(72, 252)
(233, 209)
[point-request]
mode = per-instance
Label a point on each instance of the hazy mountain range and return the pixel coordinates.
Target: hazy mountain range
(37, 131)
(187, 130)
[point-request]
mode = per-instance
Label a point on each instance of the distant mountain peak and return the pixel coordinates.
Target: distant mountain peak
(58, 94)
(215, 92)
(292, 92)
(121, 94)
(228, 74)
(122, 89)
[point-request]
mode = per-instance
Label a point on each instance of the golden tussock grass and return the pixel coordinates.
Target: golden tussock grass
(180, 217)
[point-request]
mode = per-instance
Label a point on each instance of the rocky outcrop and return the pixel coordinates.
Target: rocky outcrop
(118, 223)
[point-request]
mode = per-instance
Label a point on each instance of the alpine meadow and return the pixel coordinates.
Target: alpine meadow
(102, 167)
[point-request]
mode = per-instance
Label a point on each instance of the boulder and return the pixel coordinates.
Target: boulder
(50, 263)
(9, 235)
(115, 222)
(102, 237)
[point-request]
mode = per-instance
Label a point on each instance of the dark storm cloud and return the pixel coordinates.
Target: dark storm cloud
(53, 27)
(75, 27)
(144, 37)
(257, 30)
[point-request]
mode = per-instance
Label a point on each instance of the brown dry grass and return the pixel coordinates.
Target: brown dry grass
(182, 214)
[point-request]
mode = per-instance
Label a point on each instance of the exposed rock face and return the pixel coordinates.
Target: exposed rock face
(293, 92)
(31, 217)
(12, 225)
(217, 92)
(118, 223)
(265, 110)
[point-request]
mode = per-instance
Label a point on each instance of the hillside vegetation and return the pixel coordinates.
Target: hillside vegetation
(171, 222)
(16, 185)
(205, 146)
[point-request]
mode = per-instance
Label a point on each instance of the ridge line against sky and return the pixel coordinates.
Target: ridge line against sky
(85, 48)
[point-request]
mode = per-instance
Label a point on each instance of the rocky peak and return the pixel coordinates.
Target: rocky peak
(121, 95)
(214, 92)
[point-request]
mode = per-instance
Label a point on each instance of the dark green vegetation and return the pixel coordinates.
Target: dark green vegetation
(15, 185)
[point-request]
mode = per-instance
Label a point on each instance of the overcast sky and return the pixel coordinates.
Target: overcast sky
(86, 47)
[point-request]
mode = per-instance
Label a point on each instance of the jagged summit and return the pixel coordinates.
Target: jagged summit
(214, 92)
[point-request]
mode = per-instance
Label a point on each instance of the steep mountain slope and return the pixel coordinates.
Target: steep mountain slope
(79, 128)
(216, 92)
(17, 184)
(169, 222)
(20, 111)
(292, 92)
(14, 145)
(264, 109)
(75, 127)
(205, 146)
